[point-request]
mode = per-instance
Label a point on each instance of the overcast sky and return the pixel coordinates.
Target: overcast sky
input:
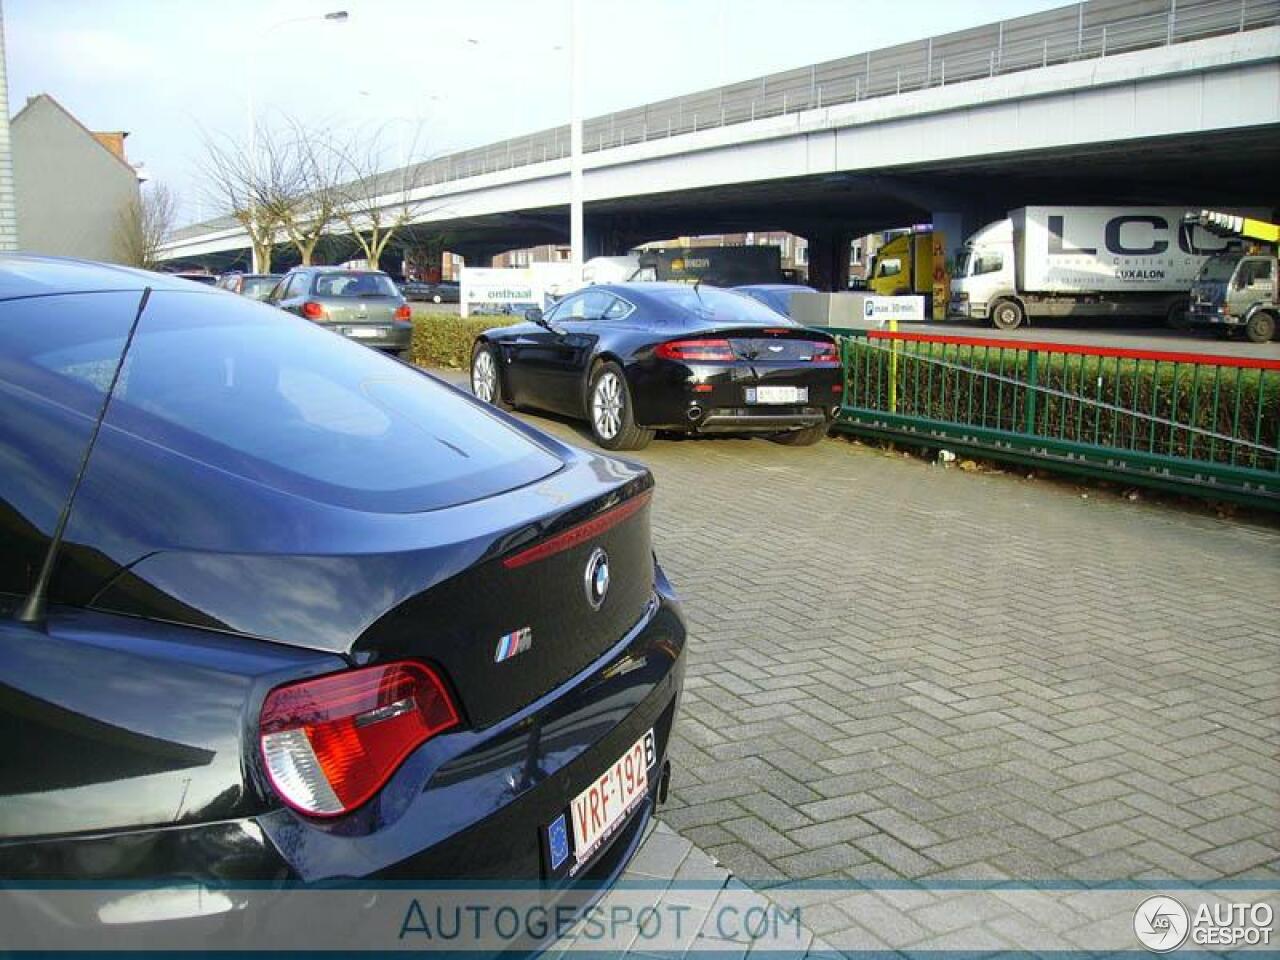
(462, 72)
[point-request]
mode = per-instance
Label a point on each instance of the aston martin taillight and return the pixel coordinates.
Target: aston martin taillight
(824, 352)
(695, 351)
(331, 743)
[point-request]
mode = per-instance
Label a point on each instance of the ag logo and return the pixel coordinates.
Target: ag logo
(1161, 924)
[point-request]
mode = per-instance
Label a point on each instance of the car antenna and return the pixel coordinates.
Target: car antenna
(33, 607)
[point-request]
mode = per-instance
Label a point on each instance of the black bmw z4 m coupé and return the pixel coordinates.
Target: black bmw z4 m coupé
(274, 607)
(636, 358)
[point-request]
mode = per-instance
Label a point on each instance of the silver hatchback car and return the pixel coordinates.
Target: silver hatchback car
(362, 305)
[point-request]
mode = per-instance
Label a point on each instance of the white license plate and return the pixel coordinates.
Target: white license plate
(777, 394)
(598, 810)
(365, 333)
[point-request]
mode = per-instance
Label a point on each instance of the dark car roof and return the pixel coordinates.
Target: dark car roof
(32, 275)
(646, 292)
(779, 287)
(342, 270)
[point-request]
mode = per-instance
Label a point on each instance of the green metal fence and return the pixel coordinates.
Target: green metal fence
(1190, 422)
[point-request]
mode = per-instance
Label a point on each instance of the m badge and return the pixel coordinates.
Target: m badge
(518, 641)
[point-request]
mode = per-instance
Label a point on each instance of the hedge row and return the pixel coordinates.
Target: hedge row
(1160, 408)
(444, 340)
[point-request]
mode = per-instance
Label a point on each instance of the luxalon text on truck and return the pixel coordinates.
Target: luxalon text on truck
(1081, 262)
(1239, 289)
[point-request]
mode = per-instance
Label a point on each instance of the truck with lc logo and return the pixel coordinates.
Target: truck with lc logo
(1063, 262)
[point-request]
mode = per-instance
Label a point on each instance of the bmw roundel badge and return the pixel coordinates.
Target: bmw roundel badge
(596, 578)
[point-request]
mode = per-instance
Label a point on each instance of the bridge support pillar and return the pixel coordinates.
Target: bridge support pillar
(829, 259)
(955, 228)
(610, 236)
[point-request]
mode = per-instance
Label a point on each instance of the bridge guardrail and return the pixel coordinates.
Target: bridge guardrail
(1194, 423)
(1056, 36)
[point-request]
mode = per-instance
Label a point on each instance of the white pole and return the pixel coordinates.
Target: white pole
(576, 231)
(337, 16)
(254, 265)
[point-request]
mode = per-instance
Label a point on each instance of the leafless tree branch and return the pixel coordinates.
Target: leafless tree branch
(145, 224)
(376, 205)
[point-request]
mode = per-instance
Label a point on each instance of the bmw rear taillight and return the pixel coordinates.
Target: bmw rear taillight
(313, 311)
(824, 352)
(403, 312)
(695, 351)
(331, 743)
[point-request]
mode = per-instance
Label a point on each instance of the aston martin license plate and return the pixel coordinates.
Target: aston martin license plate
(777, 394)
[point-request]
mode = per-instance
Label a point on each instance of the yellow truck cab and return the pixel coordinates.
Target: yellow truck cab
(904, 266)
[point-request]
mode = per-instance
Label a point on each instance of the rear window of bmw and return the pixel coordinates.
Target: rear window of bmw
(259, 393)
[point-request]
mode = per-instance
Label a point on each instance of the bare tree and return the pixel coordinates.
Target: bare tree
(305, 194)
(375, 205)
(144, 225)
(242, 181)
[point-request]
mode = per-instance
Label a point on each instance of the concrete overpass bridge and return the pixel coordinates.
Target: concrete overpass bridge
(1105, 101)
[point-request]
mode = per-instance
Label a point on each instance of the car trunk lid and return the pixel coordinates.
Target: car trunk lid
(511, 628)
(361, 313)
(776, 345)
(767, 345)
(495, 592)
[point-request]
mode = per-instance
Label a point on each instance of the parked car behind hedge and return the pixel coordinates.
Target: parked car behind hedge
(362, 305)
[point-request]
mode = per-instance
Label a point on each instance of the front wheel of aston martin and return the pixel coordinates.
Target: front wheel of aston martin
(610, 411)
(485, 384)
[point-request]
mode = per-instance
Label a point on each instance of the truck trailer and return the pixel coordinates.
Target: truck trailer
(1081, 262)
(714, 266)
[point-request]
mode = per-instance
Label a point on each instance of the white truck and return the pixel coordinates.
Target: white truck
(1081, 262)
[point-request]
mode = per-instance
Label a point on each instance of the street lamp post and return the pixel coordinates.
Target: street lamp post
(335, 16)
(576, 227)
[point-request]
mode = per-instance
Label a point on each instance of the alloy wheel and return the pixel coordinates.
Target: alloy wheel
(606, 406)
(484, 378)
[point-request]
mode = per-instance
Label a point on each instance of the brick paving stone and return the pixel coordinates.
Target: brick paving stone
(896, 855)
(831, 831)
(761, 837)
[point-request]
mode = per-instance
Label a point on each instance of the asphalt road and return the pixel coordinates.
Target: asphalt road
(1129, 337)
